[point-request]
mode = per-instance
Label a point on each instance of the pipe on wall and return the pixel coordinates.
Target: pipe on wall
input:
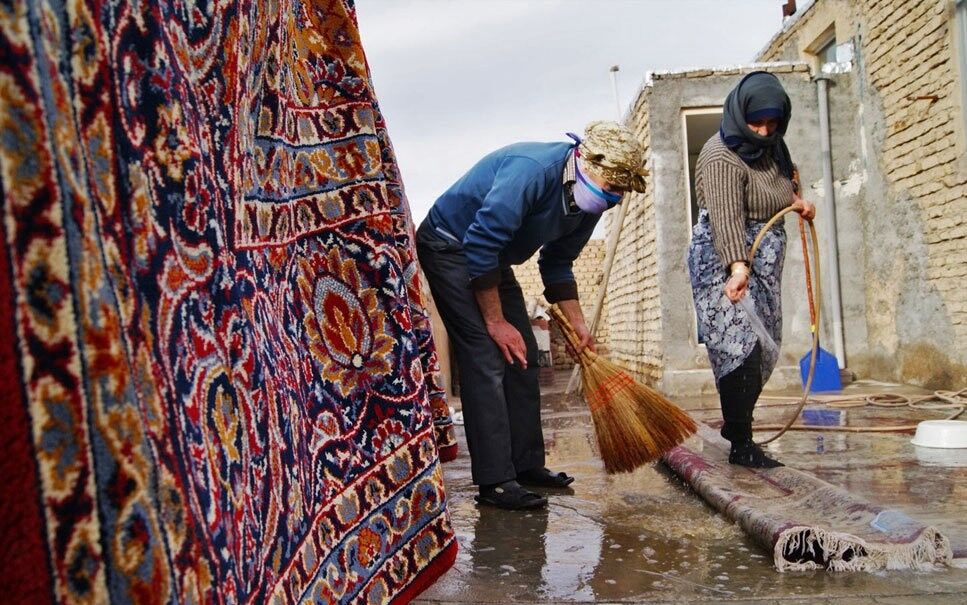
(829, 218)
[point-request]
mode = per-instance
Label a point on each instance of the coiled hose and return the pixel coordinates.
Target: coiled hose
(955, 400)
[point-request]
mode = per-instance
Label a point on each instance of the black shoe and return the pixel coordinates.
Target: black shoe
(751, 455)
(542, 477)
(509, 495)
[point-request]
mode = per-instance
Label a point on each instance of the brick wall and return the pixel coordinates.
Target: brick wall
(796, 41)
(634, 310)
(587, 272)
(914, 136)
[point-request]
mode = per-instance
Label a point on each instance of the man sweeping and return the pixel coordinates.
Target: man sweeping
(516, 200)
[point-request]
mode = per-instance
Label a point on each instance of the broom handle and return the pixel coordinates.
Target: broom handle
(609, 254)
(585, 356)
(568, 330)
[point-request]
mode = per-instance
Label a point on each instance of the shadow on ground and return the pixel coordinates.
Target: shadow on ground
(645, 537)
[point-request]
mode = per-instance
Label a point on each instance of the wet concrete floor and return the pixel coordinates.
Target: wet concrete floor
(646, 537)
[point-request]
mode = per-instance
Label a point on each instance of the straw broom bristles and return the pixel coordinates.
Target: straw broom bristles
(634, 424)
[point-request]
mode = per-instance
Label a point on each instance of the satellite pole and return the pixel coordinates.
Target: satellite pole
(614, 90)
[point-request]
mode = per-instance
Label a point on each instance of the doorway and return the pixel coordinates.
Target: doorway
(698, 126)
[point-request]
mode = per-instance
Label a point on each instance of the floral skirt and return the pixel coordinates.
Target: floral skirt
(723, 327)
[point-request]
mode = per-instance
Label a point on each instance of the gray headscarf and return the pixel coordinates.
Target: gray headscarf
(758, 96)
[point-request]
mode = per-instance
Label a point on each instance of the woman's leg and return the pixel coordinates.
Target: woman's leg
(738, 392)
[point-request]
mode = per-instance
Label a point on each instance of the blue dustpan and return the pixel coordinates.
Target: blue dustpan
(826, 377)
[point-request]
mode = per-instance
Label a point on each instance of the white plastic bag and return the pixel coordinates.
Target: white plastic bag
(765, 339)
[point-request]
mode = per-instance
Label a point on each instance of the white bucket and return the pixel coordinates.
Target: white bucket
(941, 434)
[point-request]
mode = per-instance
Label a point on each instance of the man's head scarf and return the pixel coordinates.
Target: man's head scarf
(758, 96)
(611, 151)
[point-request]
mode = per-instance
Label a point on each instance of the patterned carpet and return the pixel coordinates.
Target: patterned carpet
(219, 383)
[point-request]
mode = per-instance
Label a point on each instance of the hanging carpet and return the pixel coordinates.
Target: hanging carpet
(219, 384)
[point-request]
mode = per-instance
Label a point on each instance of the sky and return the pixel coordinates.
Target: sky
(456, 79)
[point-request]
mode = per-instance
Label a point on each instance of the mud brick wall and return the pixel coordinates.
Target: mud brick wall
(634, 307)
(907, 59)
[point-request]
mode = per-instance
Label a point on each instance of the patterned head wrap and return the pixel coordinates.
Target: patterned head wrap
(611, 151)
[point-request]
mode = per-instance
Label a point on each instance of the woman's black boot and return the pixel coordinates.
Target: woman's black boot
(747, 453)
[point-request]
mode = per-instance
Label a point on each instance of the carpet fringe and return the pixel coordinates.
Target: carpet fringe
(809, 548)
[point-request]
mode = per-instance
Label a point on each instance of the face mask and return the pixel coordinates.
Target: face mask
(590, 198)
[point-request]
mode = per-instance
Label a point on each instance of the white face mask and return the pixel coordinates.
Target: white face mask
(590, 198)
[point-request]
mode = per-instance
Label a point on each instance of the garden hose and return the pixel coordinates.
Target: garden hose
(814, 294)
(954, 400)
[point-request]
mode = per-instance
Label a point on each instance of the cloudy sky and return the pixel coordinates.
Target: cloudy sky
(457, 79)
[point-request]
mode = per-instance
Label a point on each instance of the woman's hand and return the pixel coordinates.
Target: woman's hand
(738, 282)
(807, 210)
(736, 286)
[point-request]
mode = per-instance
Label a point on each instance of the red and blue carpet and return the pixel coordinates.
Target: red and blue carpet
(218, 380)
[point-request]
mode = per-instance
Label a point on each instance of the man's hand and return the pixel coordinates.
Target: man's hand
(506, 336)
(805, 209)
(572, 310)
(509, 340)
(585, 339)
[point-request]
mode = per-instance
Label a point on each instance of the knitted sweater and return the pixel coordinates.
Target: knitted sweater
(733, 191)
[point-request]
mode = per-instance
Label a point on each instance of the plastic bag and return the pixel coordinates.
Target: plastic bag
(765, 339)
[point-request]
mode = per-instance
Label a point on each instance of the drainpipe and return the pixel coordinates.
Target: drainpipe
(829, 219)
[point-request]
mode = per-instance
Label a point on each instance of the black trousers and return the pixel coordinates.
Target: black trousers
(501, 402)
(738, 392)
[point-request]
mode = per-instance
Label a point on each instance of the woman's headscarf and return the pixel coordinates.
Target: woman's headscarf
(758, 96)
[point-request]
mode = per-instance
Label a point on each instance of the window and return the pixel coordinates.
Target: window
(823, 48)
(827, 54)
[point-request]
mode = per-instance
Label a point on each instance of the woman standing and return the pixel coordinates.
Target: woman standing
(743, 177)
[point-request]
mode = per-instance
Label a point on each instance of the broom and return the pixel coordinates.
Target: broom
(634, 424)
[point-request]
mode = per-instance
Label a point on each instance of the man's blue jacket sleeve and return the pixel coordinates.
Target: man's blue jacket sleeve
(557, 260)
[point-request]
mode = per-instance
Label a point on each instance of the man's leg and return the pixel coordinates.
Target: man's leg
(522, 391)
(480, 363)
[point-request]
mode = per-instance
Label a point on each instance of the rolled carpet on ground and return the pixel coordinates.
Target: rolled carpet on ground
(804, 521)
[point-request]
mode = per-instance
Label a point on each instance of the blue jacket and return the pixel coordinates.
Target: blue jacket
(508, 205)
